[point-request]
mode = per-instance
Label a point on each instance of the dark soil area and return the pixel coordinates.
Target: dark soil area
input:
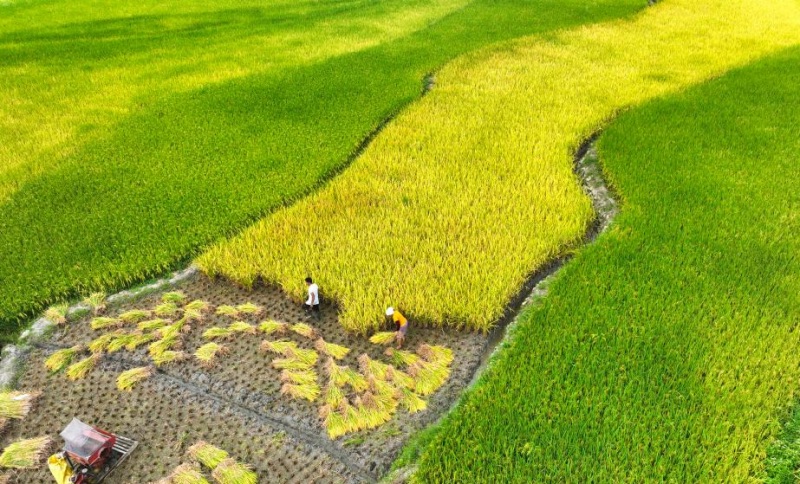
(235, 405)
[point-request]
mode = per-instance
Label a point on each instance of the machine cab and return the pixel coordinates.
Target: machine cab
(86, 444)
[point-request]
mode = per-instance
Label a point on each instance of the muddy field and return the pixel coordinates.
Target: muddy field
(236, 405)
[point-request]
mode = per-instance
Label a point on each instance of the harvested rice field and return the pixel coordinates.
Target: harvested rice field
(235, 404)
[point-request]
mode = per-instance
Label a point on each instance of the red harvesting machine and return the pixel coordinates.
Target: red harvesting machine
(89, 455)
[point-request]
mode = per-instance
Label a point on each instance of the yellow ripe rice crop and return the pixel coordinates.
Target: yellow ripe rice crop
(333, 350)
(207, 354)
(281, 347)
(307, 391)
(24, 454)
(198, 305)
(104, 322)
(187, 474)
(299, 377)
(242, 327)
(227, 310)
(249, 308)
(231, 472)
(471, 189)
(272, 326)
(134, 316)
(16, 405)
(166, 310)
(57, 314)
(217, 333)
(383, 338)
(130, 378)
(61, 358)
(152, 324)
(168, 356)
(79, 370)
(207, 454)
(176, 297)
(304, 330)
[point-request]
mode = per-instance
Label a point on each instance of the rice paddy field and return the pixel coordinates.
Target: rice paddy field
(615, 181)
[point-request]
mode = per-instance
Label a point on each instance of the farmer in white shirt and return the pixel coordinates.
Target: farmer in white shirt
(312, 303)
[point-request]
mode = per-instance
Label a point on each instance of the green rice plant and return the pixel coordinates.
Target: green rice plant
(291, 363)
(99, 344)
(198, 305)
(249, 308)
(438, 355)
(218, 333)
(168, 356)
(333, 395)
(231, 472)
(164, 344)
(242, 327)
(272, 326)
(281, 347)
(301, 377)
(15, 404)
(79, 370)
(96, 302)
(120, 341)
(187, 474)
(370, 367)
(104, 323)
(309, 357)
(175, 297)
(166, 310)
(208, 353)
(134, 316)
(57, 314)
(428, 377)
(412, 402)
(333, 350)
(304, 330)
(152, 324)
(206, 454)
(383, 338)
(24, 454)
(60, 359)
(130, 378)
(307, 391)
(227, 310)
(401, 357)
(138, 339)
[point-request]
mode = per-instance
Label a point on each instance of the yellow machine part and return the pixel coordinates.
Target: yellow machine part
(60, 469)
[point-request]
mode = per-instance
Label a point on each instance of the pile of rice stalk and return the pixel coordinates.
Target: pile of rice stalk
(130, 378)
(138, 339)
(207, 454)
(175, 297)
(307, 391)
(152, 324)
(344, 375)
(187, 474)
(99, 344)
(218, 333)
(333, 350)
(119, 342)
(104, 322)
(428, 377)
(401, 357)
(249, 308)
(166, 310)
(272, 326)
(242, 327)
(57, 314)
(309, 357)
(370, 367)
(134, 316)
(24, 454)
(162, 345)
(281, 347)
(438, 355)
(197, 305)
(299, 377)
(231, 472)
(208, 353)
(226, 310)
(383, 338)
(292, 363)
(169, 356)
(16, 404)
(79, 370)
(304, 330)
(96, 302)
(62, 358)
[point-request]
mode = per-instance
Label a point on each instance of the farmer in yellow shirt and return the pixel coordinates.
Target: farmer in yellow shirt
(400, 324)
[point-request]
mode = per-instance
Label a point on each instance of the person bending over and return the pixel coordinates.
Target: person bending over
(400, 325)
